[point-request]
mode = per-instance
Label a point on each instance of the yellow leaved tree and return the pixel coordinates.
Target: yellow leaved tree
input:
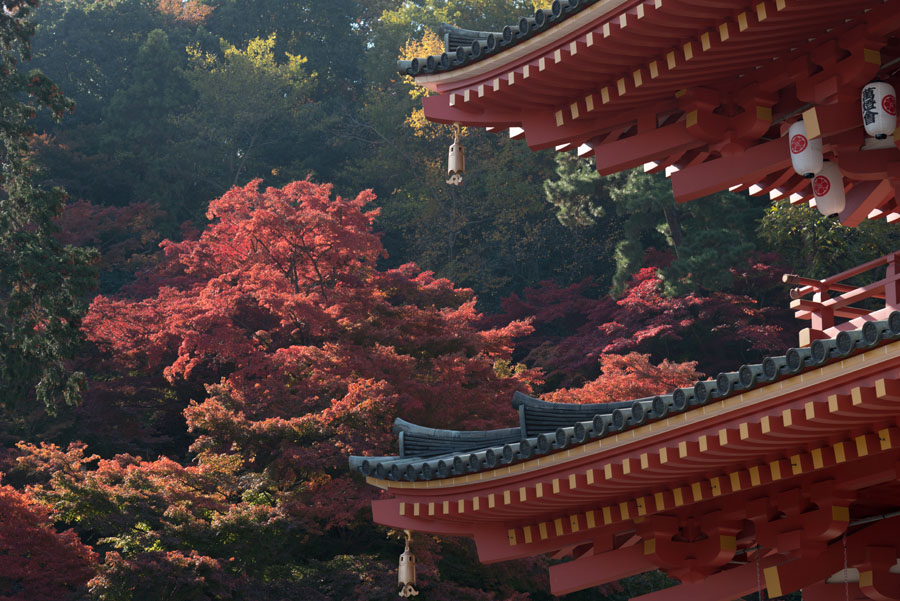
(430, 43)
(249, 101)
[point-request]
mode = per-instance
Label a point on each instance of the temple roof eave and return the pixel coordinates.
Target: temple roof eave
(555, 32)
(453, 466)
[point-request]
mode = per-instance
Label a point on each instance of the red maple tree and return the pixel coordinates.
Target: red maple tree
(575, 326)
(629, 376)
(37, 563)
(280, 309)
(296, 350)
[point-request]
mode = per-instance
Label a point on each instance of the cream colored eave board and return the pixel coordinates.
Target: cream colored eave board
(545, 38)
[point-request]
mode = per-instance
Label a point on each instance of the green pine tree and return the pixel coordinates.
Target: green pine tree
(705, 237)
(42, 281)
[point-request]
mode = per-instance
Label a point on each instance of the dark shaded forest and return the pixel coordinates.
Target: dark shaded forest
(231, 260)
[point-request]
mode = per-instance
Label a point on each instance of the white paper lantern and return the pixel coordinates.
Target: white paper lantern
(828, 188)
(806, 154)
(879, 109)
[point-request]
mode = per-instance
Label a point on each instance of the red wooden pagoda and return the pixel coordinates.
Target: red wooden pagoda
(779, 476)
(701, 89)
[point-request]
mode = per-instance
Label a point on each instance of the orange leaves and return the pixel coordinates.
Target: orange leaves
(187, 11)
(45, 460)
(305, 350)
(47, 565)
(574, 326)
(287, 349)
(629, 376)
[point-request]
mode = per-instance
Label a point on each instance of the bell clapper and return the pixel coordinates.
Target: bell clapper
(406, 575)
(456, 160)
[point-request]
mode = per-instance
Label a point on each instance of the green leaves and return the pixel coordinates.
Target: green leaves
(42, 282)
(816, 246)
(249, 114)
(577, 193)
(636, 209)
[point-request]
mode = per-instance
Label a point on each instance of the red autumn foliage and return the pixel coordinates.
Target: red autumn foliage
(280, 307)
(295, 351)
(125, 236)
(187, 11)
(37, 563)
(630, 376)
(116, 231)
(564, 343)
(646, 316)
(575, 326)
(174, 575)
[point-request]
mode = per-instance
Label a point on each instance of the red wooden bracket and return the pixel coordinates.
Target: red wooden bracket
(720, 174)
(598, 569)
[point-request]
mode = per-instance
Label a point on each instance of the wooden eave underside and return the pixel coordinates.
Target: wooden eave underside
(638, 58)
(839, 421)
(698, 88)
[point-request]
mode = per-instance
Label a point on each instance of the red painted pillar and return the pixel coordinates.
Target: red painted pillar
(892, 285)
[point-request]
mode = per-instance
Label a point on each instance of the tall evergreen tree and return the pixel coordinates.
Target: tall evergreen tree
(41, 280)
(706, 237)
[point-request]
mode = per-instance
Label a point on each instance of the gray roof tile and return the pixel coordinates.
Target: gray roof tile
(544, 427)
(465, 46)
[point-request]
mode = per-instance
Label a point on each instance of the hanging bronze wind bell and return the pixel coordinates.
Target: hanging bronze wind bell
(406, 575)
(457, 159)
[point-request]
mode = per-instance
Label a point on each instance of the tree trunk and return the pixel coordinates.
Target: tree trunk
(671, 213)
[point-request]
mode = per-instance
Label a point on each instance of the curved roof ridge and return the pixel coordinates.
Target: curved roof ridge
(454, 36)
(465, 46)
(401, 425)
(521, 399)
(569, 430)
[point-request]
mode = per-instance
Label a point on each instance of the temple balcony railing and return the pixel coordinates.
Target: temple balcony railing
(832, 305)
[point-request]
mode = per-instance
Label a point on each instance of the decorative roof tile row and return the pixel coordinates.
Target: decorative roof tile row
(545, 428)
(465, 46)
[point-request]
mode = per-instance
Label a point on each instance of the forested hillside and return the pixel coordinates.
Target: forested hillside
(231, 260)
